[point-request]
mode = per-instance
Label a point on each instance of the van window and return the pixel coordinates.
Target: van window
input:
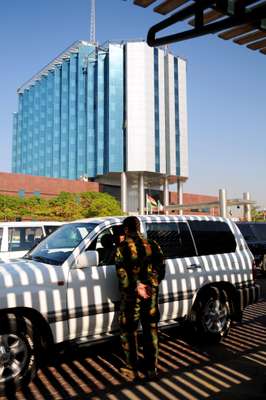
(174, 239)
(106, 244)
(260, 229)
(22, 238)
(212, 237)
(50, 229)
(247, 231)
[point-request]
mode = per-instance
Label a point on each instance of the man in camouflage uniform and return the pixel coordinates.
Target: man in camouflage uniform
(140, 269)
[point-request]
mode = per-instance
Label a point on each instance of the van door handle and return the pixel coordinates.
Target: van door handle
(193, 266)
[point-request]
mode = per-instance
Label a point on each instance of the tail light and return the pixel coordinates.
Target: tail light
(254, 269)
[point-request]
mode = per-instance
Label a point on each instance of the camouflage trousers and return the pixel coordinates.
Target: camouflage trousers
(129, 319)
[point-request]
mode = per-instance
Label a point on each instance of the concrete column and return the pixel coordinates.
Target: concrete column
(141, 193)
(247, 207)
(124, 191)
(180, 196)
(222, 200)
(165, 193)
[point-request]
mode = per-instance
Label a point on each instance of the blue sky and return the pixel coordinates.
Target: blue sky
(226, 85)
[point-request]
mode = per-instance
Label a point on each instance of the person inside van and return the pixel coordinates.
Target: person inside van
(107, 251)
(140, 269)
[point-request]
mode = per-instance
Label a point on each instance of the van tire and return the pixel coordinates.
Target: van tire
(18, 353)
(212, 315)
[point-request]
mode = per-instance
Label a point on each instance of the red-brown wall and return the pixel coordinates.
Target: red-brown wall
(189, 198)
(11, 184)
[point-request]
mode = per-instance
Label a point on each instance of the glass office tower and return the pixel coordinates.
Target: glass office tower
(70, 115)
(98, 111)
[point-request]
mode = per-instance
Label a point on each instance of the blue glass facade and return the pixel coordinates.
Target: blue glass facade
(70, 120)
(116, 108)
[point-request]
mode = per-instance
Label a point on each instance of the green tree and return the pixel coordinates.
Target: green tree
(99, 204)
(257, 215)
(64, 207)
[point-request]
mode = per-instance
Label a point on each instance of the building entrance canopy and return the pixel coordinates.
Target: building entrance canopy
(243, 21)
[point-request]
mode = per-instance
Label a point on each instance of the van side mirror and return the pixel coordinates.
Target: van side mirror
(88, 259)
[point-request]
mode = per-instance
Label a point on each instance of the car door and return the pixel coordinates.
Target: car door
(184, 274)
(93, 295)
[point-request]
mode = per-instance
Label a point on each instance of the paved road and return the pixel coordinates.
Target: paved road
(234, 369)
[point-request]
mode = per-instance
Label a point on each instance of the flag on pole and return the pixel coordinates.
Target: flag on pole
(150, 202)
(159, 206)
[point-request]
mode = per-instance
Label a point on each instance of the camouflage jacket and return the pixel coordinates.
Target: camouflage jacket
(139, 260)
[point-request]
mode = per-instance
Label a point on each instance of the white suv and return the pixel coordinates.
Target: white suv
(65, 290)
(17, 238)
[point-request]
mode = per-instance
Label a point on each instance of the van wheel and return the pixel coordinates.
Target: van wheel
(213, 319)
(18, 353)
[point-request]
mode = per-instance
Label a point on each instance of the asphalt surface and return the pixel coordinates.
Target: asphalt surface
(234, 369)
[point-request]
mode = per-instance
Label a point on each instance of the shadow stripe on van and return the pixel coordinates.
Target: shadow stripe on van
(176, 296)
(244, 284)
(243, 288)
(105, 308)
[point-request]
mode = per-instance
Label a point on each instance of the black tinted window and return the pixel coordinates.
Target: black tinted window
(174, 239)
(212, 237)
(50, 229)
(247, 231)
(260, 229)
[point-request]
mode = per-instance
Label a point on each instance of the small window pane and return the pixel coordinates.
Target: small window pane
(50, 228)
(174, 239)
(21, 193)
(20, 239)
(212, 237)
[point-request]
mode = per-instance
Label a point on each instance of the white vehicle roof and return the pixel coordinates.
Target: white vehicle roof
(29, 223)
(154, 217)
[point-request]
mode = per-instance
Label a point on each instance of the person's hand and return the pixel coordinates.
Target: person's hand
(143, 291)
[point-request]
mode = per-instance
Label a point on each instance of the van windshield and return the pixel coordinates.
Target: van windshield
(260, 230)
(253, 231)
(58, 246)
(247, 232)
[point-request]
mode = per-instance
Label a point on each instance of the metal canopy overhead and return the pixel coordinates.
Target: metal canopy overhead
(243, 21)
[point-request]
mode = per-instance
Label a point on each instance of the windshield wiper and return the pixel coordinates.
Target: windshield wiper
(45, 260)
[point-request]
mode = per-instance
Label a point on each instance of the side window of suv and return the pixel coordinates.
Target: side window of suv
(105, 244)
(212, 237)
(174, 238)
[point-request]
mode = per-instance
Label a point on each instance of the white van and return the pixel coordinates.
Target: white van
(17, 238)
(64, 290)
